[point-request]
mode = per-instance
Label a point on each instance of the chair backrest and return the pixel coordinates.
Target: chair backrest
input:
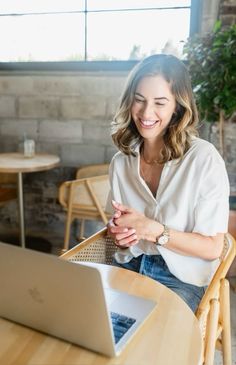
(85, 194)
(92, 170)
(84, 199)
(215, 304)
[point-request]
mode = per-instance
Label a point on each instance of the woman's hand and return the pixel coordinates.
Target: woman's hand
(128, 226)
(123, 236)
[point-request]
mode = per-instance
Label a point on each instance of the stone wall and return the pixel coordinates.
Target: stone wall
(210, 13)
(210, 132)
(67, 114)
(227, 12)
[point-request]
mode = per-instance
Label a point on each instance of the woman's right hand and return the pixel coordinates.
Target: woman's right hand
(124, 237)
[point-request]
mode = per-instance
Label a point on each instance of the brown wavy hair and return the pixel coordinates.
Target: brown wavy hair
(183, 124)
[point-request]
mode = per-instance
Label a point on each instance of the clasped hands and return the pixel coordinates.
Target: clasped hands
(127, 226)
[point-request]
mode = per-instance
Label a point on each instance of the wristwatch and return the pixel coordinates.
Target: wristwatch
(164, 237)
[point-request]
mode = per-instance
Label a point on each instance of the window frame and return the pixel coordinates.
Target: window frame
(85, 65)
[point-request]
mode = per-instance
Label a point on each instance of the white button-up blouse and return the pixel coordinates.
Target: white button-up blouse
(192, 196)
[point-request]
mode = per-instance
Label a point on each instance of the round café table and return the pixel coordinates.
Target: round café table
(170, 336)
(17, 163)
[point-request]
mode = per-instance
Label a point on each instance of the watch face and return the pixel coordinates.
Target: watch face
(163, 240)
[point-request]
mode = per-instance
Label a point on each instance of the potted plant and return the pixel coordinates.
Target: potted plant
(211, 61)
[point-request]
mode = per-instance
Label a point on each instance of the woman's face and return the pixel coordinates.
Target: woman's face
(153, 107)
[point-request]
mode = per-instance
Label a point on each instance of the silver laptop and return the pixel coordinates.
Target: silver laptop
(67, 300)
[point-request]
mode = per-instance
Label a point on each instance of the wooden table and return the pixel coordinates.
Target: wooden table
(17, 163)
(171, 335)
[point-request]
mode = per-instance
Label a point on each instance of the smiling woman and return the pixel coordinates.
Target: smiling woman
(76, 30)
(169, 188)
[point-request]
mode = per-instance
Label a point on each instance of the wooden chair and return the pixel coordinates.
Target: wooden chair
(92, 170)
(232, 230)
(8, 188)
(85, 172)
(213, 311)
(84, 199)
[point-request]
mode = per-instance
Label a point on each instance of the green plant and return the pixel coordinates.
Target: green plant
(211, 61)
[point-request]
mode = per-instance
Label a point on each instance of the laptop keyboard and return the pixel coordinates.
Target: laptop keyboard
(121, 324)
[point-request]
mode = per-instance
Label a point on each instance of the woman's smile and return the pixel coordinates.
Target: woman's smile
(148, 123)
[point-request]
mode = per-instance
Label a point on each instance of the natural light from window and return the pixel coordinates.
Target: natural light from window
(116, 30)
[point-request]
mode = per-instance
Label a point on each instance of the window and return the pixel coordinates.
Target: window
(92, 30)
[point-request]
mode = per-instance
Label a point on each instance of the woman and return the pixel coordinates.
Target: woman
(169, 188)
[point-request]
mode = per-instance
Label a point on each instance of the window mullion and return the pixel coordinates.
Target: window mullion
(85, 32)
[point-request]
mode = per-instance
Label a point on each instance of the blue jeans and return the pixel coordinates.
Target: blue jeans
(155, 267)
